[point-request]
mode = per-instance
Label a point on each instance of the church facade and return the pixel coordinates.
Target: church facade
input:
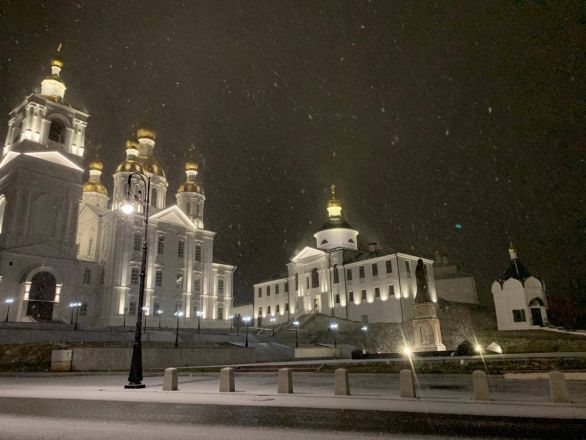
(64, 241)
(336, 279)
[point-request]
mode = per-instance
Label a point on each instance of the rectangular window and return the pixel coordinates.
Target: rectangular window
(87, 276)
(161, 244)
(260, 292)
(391, 290)
(336, 276)
(268, 310)
(220, 286)
(314, 278)
(102, 276)
(361, 272)
(286, 289)
(307, 282)
(156, 308)
(376, 292)
(196, 284)
(181, 248)
(198, 252)
(349, 274)
(137, 241)
(277, 308)
(83, 310)
(268, 290)
(363, 295)
(286, 307)
(338, 298)
(179, 280)
(132, 308)
(134, 275)
(389, 266)
(519, 315)
(375, 269)
(276, 289)
(350, 296)
(260, 312)
(158, 278)
(220, 313)
(408, 268)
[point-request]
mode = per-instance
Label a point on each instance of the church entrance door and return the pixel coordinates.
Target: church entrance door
(316, 305)
(536, 316)
(42, 296)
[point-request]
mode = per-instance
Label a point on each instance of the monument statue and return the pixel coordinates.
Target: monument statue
(422, 295)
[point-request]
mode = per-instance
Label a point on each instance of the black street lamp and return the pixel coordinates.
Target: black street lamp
(124, 319)
(135, 373)
(160, 313)
(334, 328)
(199, 314)
(237, 318)
(296, 324)
(179, 314)
(145, 309)
(71, 305)
(365, 333)
(76, 306)
(231, 318)
(8, 301)
(273, 320)
(246, 320)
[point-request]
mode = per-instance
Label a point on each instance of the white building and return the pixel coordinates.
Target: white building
(335, 278)
(519, 297)
(62, 241)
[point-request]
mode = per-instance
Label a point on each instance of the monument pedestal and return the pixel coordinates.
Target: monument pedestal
(426, 328)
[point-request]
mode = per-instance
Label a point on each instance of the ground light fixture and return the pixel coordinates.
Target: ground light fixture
(8, 302)
(296, 324)
(246, 320)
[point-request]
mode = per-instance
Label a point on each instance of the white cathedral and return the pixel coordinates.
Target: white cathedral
(63, 241)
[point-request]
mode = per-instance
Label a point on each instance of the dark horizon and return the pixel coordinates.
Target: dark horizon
(445, 126)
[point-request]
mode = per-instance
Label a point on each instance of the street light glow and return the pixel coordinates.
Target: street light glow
(9, 300)
(127, 208)
(364, 328)
(407, 350)
(273, 319)
(334, 326)
(199, 313)
(296, 323)
(246, 318)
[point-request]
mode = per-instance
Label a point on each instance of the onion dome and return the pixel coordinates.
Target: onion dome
(94, 183)
(130, 166)
(146, 133)
(131, 144)
(57, 61)
(151, 165)
(190, 185)
(333, 202)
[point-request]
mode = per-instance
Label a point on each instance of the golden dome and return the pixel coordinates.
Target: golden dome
(151, 165)
(131, 144)
(130, 166)
(191, 166)
(146, 133)
(333, 202)
(190, 187)
(96, 187)
(96, 165)
(57, 62)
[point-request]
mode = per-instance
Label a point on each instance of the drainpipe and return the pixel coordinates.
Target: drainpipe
(400, 288)
(345, 286)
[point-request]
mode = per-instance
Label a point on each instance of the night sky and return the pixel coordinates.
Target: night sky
(446, 125)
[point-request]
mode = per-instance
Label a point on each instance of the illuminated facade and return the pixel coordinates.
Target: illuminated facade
(63, 241)
(336, 279)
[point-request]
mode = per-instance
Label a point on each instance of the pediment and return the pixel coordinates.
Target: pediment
(307, 252)
(173, 215)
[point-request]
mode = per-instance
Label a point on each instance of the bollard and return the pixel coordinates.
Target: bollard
(227, 380)
(342, 383)
(170, 380)
(558, 389)
(406, 384)
(285, 381)
(480, 385)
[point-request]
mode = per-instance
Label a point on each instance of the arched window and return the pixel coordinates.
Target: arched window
(188, 208)
(57, 131)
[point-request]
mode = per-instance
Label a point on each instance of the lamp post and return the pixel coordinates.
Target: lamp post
(76, 306)
(237, 324)
(8, 301)
(231, 318)
(199, 314)
(179, 314)
(124, 319)
(296, 324)
(145, 309)
(365, 334)
(273, 320)
(246, 320)
(135, 373)
(159, 312)
(334, 329)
